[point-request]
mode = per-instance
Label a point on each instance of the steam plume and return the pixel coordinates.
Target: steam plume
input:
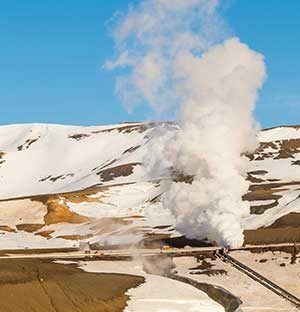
(178, 61)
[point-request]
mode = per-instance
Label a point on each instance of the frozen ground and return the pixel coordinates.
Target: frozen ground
(111, 199)
(276, 266)
(255, 297)
(157, 294)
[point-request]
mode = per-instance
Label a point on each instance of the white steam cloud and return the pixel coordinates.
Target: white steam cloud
(150, 38)
(178, 62)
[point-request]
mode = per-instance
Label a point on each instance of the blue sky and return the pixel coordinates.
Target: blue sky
(52, 54)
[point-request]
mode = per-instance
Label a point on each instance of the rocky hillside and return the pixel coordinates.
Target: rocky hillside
(63, 184)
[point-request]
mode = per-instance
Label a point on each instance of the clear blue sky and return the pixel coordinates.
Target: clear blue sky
(51, 53)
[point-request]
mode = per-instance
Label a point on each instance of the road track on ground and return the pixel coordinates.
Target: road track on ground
(224, 256)
(130, 252)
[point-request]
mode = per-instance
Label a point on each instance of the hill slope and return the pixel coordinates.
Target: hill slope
(62, 184)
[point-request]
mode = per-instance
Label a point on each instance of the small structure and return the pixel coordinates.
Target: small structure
(85, 247)
(165, 248)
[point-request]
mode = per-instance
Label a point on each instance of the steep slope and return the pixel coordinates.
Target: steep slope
(274, 171)
(89, 180)
(63, 184)
(42, 159)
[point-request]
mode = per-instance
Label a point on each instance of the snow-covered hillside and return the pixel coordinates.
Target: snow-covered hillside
(274, 173)
(41, 159)
(62, 184)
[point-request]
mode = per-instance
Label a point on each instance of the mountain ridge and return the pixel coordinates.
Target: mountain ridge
(89, 183)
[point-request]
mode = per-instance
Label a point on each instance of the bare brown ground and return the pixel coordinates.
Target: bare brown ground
(35, 285)
(118, 171)
(181, 177)
(73, 196)
(267, 191)
(29, 227)
(6, 228)
(211, 272)
(272, 236)
(281, 149)
(2, 154)
(58, 212)
(5, 252)
(79, 136)
(284, 230)
(75, 237)
(127, 128)
(290, 220)
(46, 234)
(27, 144)
(55, 178)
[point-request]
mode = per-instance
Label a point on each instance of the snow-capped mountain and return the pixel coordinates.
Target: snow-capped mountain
(61, 184)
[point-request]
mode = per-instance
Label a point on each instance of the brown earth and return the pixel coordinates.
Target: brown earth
(118, 171)
(288, 148)
(6, 228)
(79, 136)
(266, 191)
(284, 230)
(105, 165)
(203, 266)
(27, 144)
(46, 233)
(281, 149)
(131, 149)
(210, 272)
(290, 220)
(35, 285)
(127, 128)
(181, 177)
(55, 178)
(5, 252)
(75, 236)
(2, 154)
(29, 227)
(74, 196)
(272, 236)
(57, 213)
(57, 209)
(253, 179)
